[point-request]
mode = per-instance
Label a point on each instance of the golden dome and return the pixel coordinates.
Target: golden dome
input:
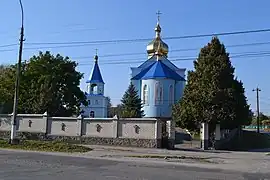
(157, 44)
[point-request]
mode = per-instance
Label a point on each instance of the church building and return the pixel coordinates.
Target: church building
(97, 102)
(159, 82)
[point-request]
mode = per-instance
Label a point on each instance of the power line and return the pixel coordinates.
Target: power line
(148, 39)
(8, 45)
(174, 60)
(177, 58)
(129, 54)
(254, 53)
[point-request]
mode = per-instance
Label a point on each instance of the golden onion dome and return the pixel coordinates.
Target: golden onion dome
(157, 44)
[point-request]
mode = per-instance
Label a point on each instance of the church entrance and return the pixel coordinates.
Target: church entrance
(164, 135)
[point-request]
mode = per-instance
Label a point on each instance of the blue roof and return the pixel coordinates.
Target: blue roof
(158, 70)
(96, 75)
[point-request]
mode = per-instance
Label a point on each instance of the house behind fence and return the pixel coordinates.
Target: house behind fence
(134, 132)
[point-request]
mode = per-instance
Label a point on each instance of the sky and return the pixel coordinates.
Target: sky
(68, 21)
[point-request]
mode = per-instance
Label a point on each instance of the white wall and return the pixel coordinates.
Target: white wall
(134, 128)
(146, 128)
(99, 127)
(31, 123)
(55, 126)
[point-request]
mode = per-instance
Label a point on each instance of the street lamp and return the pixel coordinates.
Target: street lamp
(13, 139)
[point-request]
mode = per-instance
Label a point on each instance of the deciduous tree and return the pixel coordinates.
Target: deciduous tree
(48, 83)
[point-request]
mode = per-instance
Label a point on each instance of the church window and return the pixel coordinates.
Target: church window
(92, 114)
(145, 94)
(171, 95)
(89, 102)
(158, 93)
(96, 101)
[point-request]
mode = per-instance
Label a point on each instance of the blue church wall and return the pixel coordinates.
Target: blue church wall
(98, 105)
(158, 108)
(180, 85)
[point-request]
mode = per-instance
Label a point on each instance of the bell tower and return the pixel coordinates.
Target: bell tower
(97, 102)
(95, 84)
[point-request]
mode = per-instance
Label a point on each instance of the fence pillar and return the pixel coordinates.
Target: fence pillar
(79, 125)
(115, 126)
(45, 120)
(171, 134)
(204, 136)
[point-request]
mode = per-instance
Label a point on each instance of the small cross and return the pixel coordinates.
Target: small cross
(158, 15)
(96, 51)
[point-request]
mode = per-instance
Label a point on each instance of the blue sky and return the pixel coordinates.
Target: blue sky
(95, 20)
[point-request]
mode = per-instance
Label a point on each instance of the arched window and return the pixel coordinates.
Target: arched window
(171, 95)
(94, 89)
(158, 93)
(145, 94)
(92, 114)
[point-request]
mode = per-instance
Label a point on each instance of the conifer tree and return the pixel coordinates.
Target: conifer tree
(212, 94)
(131, 103)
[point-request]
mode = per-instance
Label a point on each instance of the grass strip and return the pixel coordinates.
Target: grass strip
(48, 146)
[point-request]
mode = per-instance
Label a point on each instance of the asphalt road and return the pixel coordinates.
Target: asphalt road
(32, 166)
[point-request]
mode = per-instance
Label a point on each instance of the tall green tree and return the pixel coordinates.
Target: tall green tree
(131, 103)
(212, 94)
(7, 83)
(48, 83)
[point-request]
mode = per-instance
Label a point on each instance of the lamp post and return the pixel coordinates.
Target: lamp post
(13, 139)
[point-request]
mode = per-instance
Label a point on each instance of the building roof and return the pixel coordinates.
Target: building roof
(158, 70)
(96, 75)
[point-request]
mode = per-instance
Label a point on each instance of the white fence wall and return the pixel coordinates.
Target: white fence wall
(137, 128)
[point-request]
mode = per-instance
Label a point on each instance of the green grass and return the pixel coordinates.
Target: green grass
(49, 146)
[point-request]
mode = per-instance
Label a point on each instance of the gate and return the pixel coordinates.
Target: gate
(164, 135)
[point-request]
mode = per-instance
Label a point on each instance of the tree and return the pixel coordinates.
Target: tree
(131, 103)
(212, 94)
(48, 84)
(7, 83)
(241, 109)
(117, 110)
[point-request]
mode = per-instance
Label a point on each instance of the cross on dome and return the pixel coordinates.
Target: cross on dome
(158, 16)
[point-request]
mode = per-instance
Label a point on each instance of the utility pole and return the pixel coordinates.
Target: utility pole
(17, 83)
(258, 108)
